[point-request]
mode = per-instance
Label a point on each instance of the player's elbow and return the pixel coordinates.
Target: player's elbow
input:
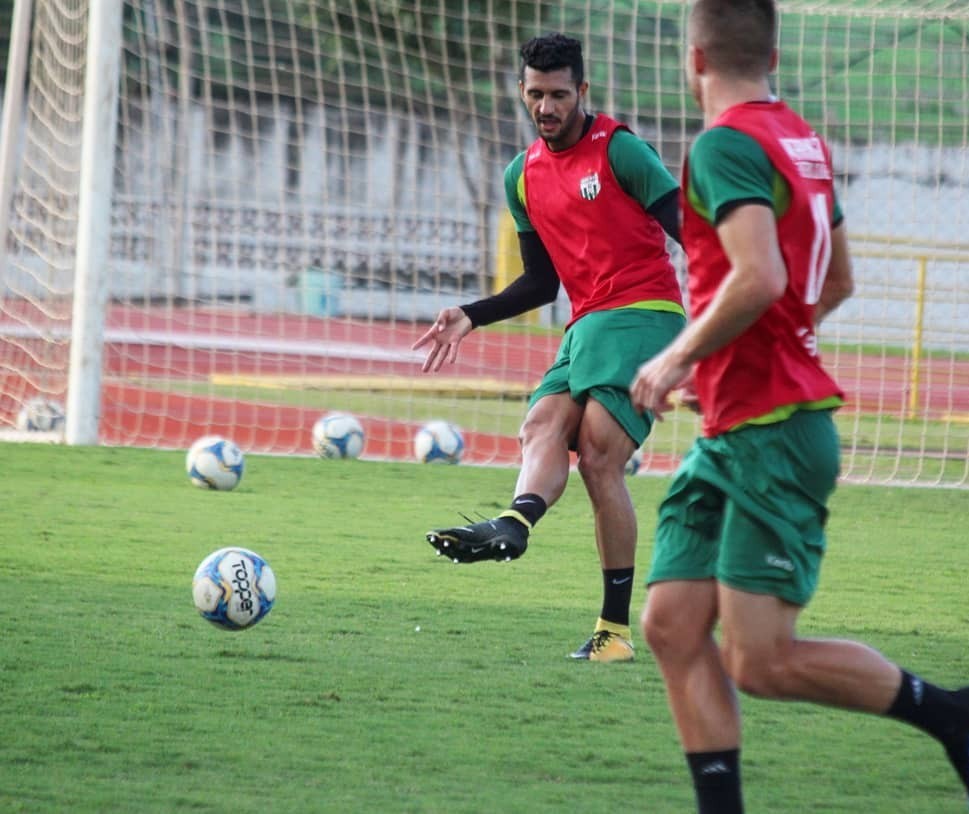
(844, 287)
(759, 284)
(774, 288)
(771, 283)
(770, 274)
(838, 294)
(838, 286)
(551, 294)
(839, 283)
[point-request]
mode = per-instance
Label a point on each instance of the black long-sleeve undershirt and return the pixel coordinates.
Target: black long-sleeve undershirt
(538, 285)
(666, 211)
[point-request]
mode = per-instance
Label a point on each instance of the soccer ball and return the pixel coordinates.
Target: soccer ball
(234, 588)
(635, 462)
(338, 435)
(438, 442)
(214, 462)
(41, 414)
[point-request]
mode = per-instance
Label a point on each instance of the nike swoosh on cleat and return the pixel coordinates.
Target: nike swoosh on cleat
(478, 549)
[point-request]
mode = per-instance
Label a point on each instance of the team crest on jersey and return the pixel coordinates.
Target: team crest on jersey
(590, 186)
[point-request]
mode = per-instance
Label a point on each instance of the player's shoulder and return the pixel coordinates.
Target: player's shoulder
(628, 149)
(514, 183)
(724, 146)
(723, 139)
(515, 167)
(623, 137)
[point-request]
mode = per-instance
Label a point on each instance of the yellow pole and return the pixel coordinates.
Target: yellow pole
(916, 370)
(508, 260)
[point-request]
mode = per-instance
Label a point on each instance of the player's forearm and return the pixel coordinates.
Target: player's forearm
(839, 282)
(667, 212)
(757, 278)
(539, 285)
(738, 304)
(829, 302)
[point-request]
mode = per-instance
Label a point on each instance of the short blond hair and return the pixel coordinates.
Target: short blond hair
(737, 37)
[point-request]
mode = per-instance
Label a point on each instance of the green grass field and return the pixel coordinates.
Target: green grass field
(389, 680)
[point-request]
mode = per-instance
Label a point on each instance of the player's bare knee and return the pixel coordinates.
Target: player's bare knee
(664, 632)
(540, 431)
(643, 620)
(528, 430)
(592, 464)
(659, 638)
(746, 674)
(758, 673)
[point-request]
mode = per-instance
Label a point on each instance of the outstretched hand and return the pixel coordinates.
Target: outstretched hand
(444, 337)
(688, 397)
(655, 381)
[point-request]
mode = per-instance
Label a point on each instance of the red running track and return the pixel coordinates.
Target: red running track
(194, 344)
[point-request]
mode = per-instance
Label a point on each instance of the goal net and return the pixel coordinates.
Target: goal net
(296, 188)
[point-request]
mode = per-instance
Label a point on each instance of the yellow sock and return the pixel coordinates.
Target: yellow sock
(612, 627)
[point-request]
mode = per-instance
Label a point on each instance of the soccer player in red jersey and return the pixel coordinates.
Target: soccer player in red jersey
(741, 532)
(593, 205)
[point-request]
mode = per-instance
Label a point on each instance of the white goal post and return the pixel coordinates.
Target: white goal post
(232, 216)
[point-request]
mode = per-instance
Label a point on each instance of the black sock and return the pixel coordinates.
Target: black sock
(716, 781)
(941, 713)
(944, 714)
(530, 506)
(617, 591)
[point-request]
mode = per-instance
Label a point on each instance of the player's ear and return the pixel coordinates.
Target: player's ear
(521, 89)
(583, 88)
(697, 59)
(774, 57)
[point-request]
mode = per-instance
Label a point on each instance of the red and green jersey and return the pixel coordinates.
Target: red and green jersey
(607, 250)
(774, 364)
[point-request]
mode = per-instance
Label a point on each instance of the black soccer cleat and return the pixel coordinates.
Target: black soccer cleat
(957, 745)
(502, 539)
(958, 754)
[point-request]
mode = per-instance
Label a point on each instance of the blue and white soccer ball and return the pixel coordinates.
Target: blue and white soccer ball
(438, 442)
(41, 414)
(635, 462)
(234, 588)
(214, 462)
(338, 435)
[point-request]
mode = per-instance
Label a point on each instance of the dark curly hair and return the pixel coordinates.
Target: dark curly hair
(552, 52)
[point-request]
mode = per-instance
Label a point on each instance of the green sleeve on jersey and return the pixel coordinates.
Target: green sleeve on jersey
(727, 166)
(515, 193)
(639, 169)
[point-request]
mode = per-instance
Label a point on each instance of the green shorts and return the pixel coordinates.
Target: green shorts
(748, 508)
(599, 357)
